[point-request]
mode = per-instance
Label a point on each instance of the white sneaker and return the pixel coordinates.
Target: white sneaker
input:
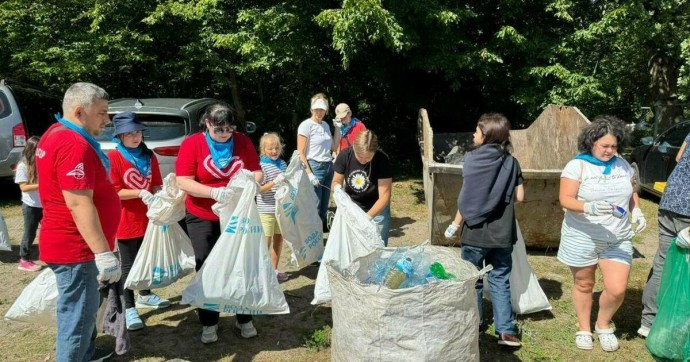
(208, 334)
(247, 329)
(643, 331)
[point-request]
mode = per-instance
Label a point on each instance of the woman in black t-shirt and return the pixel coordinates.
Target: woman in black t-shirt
(364, 172)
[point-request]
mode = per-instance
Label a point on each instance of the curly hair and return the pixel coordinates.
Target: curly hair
(600, 127)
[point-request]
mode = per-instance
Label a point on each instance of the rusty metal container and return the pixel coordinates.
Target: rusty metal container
(543, 149)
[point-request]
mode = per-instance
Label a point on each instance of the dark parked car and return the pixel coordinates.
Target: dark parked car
(656, 158)
(169, 121)
(24, 112)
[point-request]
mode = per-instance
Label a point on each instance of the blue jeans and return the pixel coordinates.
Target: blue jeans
(499, 284)
(324, 173)
(77, 306)
(383, 223)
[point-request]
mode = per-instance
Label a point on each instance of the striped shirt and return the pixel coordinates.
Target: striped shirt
(266, 202)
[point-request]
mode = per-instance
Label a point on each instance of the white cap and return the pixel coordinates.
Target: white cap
(320, 104)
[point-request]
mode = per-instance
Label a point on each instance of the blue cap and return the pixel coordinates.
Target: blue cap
(126, 122)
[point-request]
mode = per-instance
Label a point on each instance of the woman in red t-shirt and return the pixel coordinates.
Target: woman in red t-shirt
(205, 164)
(134, 173)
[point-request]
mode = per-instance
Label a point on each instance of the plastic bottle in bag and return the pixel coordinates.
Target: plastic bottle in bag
(439, 272)
(398, 273)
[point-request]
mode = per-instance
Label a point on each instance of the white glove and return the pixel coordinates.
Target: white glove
(337, 187)
(146, 197)
(638, 218)
(598, 208)
(337, 123)
(221, 194)
(451, 230)
(108, 266)
(279, 180)
(314, 181)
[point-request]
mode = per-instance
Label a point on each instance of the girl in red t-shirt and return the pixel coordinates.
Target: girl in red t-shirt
(205, 164)
(134, 173)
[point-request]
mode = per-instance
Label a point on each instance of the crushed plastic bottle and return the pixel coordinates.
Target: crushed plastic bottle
(402, 269)
(439, 272)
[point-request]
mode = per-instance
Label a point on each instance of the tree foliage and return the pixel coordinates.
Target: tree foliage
(385, 58)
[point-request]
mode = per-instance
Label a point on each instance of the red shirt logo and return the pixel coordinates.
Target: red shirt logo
(135, 181)
(77, 172)
(210, 166)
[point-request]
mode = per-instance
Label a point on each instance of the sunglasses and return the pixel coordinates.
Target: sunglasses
(221, 130)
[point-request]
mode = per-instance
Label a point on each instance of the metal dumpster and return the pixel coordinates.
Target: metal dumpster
(543, 149)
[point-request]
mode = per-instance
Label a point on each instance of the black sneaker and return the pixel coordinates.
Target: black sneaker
(102, 354)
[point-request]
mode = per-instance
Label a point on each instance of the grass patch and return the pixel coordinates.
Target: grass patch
(320, 339)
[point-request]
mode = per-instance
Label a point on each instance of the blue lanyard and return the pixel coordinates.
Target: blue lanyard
(279, 164)
(135, 156)
(92, 141)
(221, 152)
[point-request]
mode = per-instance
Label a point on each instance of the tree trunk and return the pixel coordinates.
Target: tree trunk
(663, 90)
(236, 99)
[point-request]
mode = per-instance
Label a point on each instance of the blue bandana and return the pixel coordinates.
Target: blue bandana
(279, 163)
(345, 129)
(92, 141)
(136, 156)
(595, 161)
(221, 152)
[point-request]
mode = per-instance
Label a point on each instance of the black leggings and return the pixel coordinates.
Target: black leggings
(204, 234)
(128, 252)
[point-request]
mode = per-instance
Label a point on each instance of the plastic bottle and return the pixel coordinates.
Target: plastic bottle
(439, 272)
(398, 273)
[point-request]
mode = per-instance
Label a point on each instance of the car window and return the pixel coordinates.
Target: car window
(37, 109)
(677, 134)
(5, 110)
(158, 128)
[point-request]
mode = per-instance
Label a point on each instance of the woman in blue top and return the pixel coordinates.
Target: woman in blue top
(674, 216)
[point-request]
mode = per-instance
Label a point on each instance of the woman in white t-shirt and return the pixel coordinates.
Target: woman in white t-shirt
(315, 146)
(26, 177)
(597, 192)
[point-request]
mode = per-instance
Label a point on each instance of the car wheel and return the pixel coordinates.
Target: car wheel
(636, 176)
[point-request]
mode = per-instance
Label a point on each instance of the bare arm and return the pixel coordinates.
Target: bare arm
(384, 187)
(192, 187)
(681, 151)
(27, 187)
(458, 218)
(128, 194)
(302, 148)
(519, 193)
(85, 215)
(338, 179)
(568, 195)
(635, 199)
(336, 141)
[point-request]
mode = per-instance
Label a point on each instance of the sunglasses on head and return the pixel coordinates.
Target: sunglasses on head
(226, 129)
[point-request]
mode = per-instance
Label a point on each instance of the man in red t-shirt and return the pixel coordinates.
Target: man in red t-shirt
(346, 127)
(81, 212)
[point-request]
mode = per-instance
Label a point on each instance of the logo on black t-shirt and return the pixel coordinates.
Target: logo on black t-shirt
(358, 181)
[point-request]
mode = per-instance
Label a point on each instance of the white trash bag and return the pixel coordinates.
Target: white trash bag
(38, 301)
(5, 243)
(352, 235)
(297, 215)
(237, 277)
(432, 322)
(167, 206)
(166, 255)
(526, 295)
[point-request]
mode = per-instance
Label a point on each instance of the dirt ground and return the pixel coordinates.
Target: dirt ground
(173, 333)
